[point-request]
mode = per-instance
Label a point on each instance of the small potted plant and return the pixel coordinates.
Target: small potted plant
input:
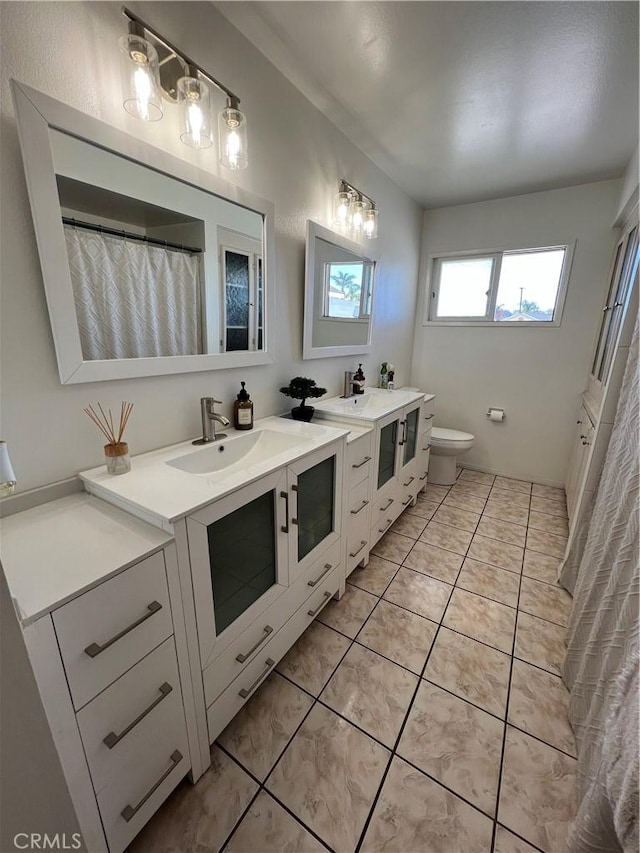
(301, 388)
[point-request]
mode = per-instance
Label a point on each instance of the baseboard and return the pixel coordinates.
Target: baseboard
(511, 477)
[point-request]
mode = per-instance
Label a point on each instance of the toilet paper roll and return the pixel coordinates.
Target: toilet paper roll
(496, 415)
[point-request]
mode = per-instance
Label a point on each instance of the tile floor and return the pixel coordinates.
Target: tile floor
(421, 713)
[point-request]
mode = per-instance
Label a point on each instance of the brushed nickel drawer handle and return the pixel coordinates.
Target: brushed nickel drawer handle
(321, 605)
(363, 542)
(360, 508)
(285, 527)
(131, 811)
(428, 417)
(95, 649)
(424, 476)
(409, 481)
(408, 501)
(241, 658)
(112, 738)
(403, 440)
(327, 569)
(247, 691)
(428, 447)
(385, 508)
(364, 462)
(389, 523)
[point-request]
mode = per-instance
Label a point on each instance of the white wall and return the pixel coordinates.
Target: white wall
(69, 51)
(535, 374)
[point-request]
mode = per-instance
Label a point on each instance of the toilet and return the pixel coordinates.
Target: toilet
(446, 446)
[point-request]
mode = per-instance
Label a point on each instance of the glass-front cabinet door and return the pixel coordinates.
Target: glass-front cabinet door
(408, 444)
(239, 558)
(388, 451)
(315, 506)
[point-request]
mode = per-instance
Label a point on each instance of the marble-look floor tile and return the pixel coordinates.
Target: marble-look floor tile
(548, 523)
(507, 842)
(464, 500)
(267, 827)
(504, 531)
(393, 547)
(552, 493)
(447, 537)
(546, 543)
(542, 567)
(262, 728)
(499, 554)
(477, 490)
(505, 512)
(483, 579)
(312, 660)
(423, 509)
(329, 776)
(349, 613)
(371, 692)
(551, 507)
(481, 619)
(435, 493)
(375, 576)
(409, 525)
(545, 601)
(471, 670)
(537, 791)
(416, 815)
(200, 816)
(455, 743)
(399, 635)
(434, 561)
(540, 643)
(455, 517)
(538, 703)
(522, 486)
(506, 496)
(419, 593)
(477, 477)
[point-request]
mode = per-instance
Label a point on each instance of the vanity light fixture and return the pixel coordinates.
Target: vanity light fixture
(355, 212)
(153, 68)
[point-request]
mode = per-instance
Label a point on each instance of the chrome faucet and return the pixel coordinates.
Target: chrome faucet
(209, 420)
(347, 391)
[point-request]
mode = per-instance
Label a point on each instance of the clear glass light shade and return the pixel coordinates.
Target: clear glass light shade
(232, 138)
(370, 224)
(341, 209)
(195, 109)
(356, 215)
(140, 78)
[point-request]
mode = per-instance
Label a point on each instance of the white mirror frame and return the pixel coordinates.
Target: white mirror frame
(36, 114)
(308, 350)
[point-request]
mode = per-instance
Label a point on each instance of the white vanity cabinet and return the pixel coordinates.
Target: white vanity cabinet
(358, 499)
(97, 595)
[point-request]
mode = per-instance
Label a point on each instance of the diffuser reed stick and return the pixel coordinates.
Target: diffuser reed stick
(116, 450)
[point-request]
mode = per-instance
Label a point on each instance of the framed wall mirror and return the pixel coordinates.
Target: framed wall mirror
(338, 303)
(150, 265)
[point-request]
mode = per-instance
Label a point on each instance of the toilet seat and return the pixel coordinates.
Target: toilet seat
(450, 438)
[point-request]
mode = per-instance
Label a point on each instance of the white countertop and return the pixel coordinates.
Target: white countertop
(54, 552)
(161, 494)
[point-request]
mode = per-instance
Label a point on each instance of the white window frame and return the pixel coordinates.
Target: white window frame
(433, 286)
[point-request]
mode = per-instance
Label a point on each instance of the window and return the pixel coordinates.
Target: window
(347, 290)
(516, 286)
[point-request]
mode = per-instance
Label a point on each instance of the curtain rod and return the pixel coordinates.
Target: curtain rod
(127, 235)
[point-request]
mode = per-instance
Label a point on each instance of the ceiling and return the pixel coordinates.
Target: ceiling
(464, 101)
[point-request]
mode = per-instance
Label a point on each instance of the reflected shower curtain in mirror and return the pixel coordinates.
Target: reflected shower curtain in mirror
(133, 300)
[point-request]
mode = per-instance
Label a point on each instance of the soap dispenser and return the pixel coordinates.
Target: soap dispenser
(243, 410)
(358, 381)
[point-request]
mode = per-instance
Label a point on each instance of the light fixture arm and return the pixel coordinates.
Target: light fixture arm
(137, 27)
(345, 186)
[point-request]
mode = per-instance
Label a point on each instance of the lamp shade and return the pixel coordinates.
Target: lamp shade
(140, 78)
(232, 136)
(7, 475)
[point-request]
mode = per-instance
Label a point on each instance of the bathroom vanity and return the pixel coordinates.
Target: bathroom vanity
(154, 607)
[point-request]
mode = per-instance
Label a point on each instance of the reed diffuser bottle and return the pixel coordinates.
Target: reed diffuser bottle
(116, 451)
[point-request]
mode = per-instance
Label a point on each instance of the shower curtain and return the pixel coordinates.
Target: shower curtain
(133, 300)
(601, 668)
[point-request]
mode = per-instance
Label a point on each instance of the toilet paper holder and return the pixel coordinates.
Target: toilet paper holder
(495, 415)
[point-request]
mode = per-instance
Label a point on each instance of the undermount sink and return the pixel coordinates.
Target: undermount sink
(239, 452)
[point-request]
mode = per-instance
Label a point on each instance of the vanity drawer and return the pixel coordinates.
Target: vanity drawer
(137, 714)
(358, 541)
(104, 632)
(140, 789)
(240, 654)
(428, 412)
(234, 697)
(386, 504)
(358, 501)
(359, 459)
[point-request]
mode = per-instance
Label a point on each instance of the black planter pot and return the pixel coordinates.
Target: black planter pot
(302, 413)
